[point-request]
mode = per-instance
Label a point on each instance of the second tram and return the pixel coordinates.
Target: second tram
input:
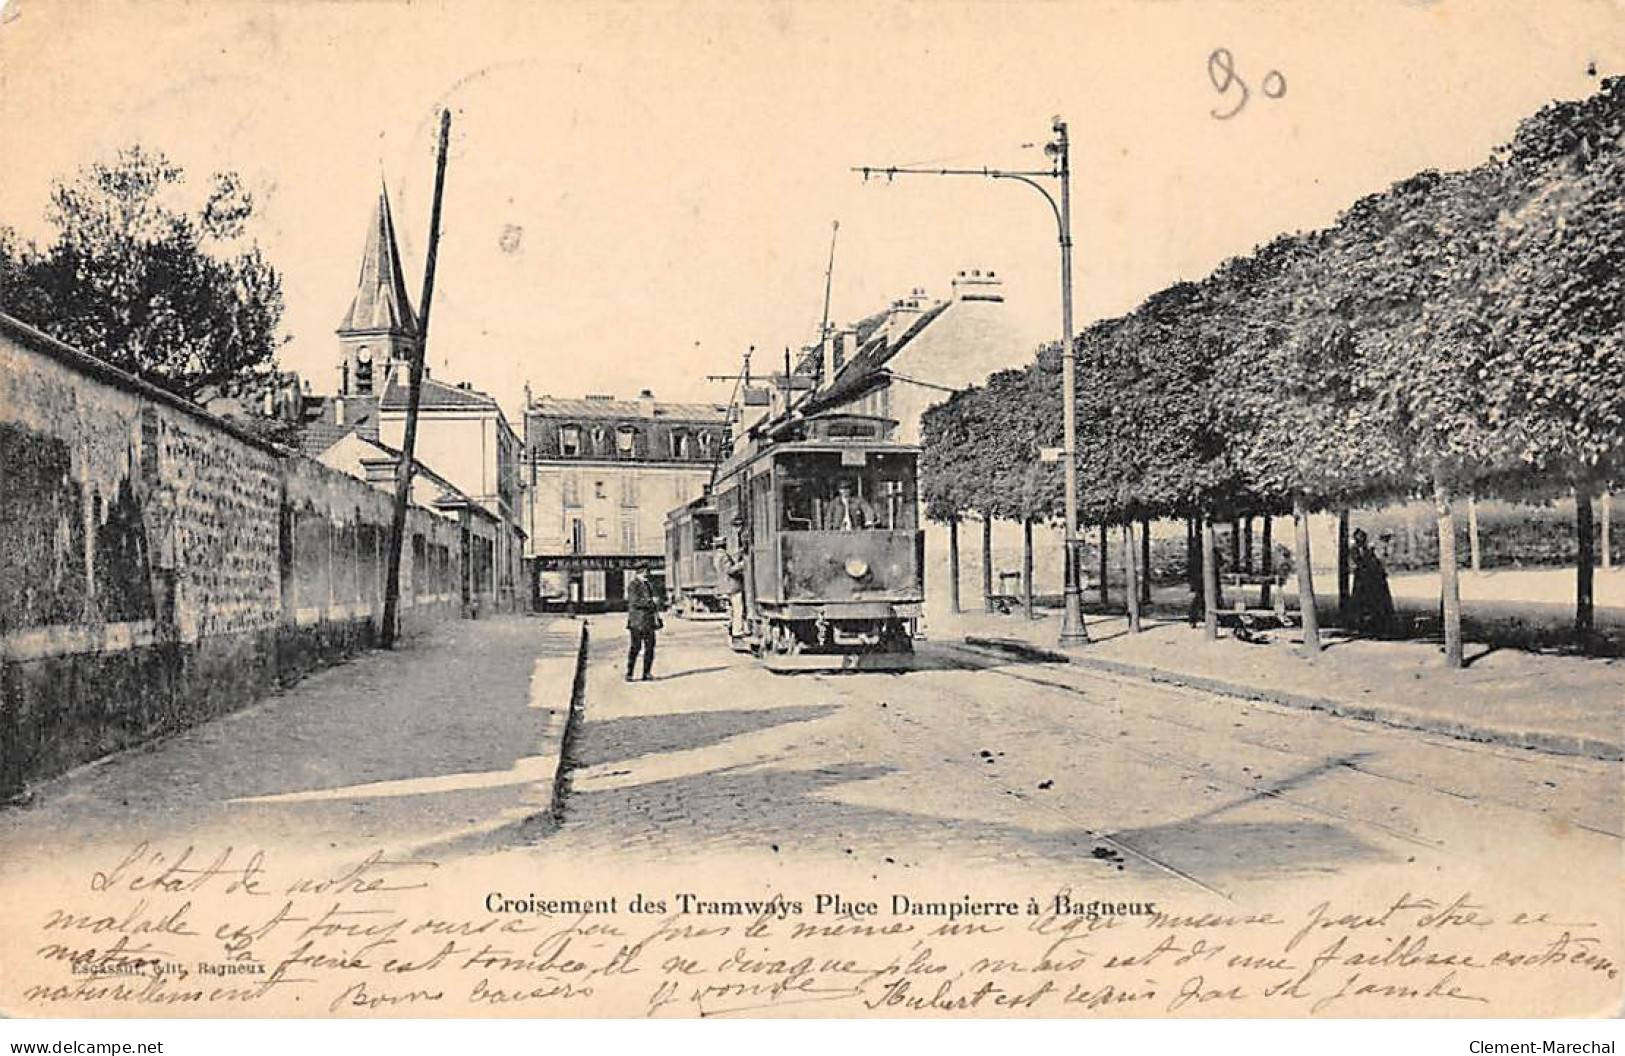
(692, 549)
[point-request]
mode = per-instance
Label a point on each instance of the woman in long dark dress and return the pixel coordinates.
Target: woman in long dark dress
(1371, 602)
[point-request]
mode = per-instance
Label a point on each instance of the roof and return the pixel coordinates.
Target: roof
(435, 394)
(320, 431)
(450, 497)
(867, 367)
(686, 412)
(812, 357)
(380, 301)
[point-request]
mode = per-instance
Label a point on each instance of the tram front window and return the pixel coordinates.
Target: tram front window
(819, 493)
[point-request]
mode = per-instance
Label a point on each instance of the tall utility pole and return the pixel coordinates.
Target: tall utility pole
(1073, 631)
(403, 473)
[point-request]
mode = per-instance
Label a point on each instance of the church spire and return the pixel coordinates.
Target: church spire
(380, 304)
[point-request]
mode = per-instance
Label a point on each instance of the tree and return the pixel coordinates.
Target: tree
(178, 298)
(1557, 352)
(947, 483)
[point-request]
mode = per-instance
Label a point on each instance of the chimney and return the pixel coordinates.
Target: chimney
(832, 355)
(646, 403)
(904, 311)
(978, 285)
(338, 410)
(381, 471)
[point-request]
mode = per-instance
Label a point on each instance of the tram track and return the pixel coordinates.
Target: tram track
(969, 659)
(1542, 764)
(1121, 846)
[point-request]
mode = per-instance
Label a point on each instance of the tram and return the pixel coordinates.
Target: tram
(692, 548)
(823, 511)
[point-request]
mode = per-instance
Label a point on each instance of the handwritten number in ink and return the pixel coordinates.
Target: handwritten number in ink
(1221, 70)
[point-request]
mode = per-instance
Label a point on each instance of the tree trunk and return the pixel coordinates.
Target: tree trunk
(1235, 544)
(1607, 523)
(987, 562)
(1131, 588)
(1343, 571)
(1306, 576)
(1210, 583)
(1145, 562)
(1193, 556)
(1247, 544)
(953, 562)
(1584, 608)
(1104, 549)
(1027, 566)
(1472, 534)
(1266, 563)
(1449, 581)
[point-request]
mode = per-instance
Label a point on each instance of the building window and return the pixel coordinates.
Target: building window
(569, 441)
(363, 371)
(600, 440)
(895, 497)
(707, 443)
(597, 489)
(578, 535)
(626, 441)
(629, 489)
(629, 535)
(572, 489)
(599, 529)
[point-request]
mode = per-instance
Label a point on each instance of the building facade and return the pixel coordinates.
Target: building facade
(601, 475)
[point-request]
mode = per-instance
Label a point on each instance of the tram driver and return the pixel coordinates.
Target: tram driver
(848, 511)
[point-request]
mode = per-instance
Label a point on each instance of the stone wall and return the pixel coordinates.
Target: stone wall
(159, 567)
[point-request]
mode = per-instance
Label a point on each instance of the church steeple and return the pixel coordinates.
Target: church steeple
(380, 326)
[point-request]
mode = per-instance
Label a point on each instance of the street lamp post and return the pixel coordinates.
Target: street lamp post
(1073, 631)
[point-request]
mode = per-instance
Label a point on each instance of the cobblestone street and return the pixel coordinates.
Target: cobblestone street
(975, 762)
(974, 777)
(980, 761)
(436, 739)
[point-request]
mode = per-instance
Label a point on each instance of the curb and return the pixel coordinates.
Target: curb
(572, 729)
(1537, 740)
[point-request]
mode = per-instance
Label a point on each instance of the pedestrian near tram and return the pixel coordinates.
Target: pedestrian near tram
(732, 562)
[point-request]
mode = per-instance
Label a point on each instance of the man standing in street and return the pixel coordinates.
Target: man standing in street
(642, 620)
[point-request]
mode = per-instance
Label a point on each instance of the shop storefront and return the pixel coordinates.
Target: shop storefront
(590, 583)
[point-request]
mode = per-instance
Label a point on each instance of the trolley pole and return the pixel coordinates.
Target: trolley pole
(1073, 630)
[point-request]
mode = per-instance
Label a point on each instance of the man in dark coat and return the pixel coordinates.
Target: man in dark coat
(642, 620)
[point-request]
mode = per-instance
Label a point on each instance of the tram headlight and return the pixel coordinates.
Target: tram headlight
(857, 567)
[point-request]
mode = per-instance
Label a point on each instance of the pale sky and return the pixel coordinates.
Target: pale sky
(669, 171)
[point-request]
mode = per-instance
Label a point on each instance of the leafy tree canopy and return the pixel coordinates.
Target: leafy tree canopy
(178, 297)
